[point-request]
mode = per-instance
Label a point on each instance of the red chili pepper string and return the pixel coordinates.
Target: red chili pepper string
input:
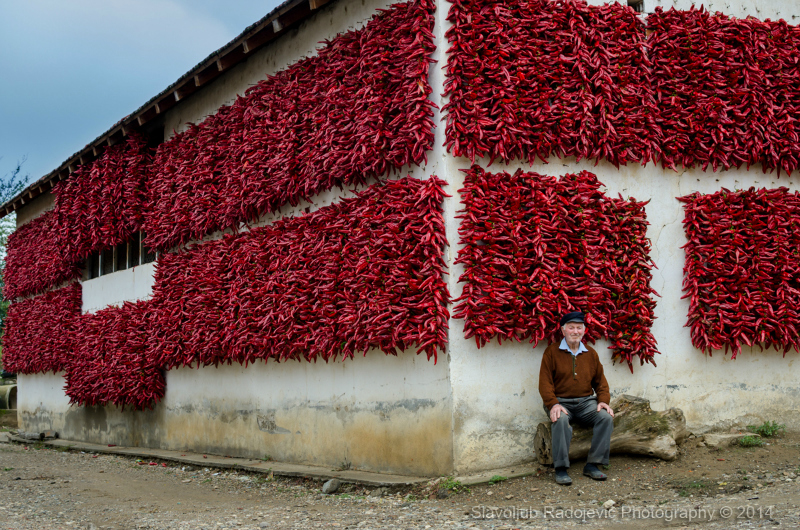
(38, 335)
(100, 204)
(536, 247)
(728, 90)
(742, 271)
(700, 90)
(110, 365)
(363, 273)
(34, 260)
(535, 79)
(356, 110)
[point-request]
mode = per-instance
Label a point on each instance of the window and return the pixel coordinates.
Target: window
(147, 255)
(637, 5)
(133, 251)
(107, 261)
(123, 256)
(93, 266)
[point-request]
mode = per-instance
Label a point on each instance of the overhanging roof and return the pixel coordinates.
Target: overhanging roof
(274, 24)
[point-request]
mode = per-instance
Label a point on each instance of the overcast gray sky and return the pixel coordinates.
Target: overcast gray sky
(69, 69)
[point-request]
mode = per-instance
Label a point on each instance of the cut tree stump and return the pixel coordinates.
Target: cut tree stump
(637, 430)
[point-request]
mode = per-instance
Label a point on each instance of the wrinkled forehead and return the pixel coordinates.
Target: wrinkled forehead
(574, 325)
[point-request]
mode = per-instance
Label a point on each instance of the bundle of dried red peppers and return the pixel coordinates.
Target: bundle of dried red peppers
(533, 79)
(742, 271)
(529, 79)
(110, 364)
(39, 332)
(536, 247)
(362, 273)
(100, 204)
(35, 261)
(357, 109)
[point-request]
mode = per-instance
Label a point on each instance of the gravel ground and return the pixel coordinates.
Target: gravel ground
(43, 489)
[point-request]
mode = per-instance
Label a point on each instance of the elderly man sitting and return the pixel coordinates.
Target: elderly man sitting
(569, 377)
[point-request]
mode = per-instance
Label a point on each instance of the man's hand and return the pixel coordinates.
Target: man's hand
(556, 412)
(600, 406)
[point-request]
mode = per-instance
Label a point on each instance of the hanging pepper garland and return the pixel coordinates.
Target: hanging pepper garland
(535, 79)
(728, 90)
(699, 90)
(35, 261)
(100, 204)
(742, 271)
(38, 334)
(110, 364)
(536, 247)
(356, 110)
(362, 273)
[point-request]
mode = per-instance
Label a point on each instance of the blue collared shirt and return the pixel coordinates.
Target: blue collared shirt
(564, 346)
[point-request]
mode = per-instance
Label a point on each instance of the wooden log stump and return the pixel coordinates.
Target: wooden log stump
(637, 430)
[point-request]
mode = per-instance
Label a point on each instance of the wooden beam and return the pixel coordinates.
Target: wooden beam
(260, 38)
(140, 119)
(219, 65)
(276, 25)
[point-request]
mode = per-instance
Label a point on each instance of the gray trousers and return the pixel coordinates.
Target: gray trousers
(582, 411)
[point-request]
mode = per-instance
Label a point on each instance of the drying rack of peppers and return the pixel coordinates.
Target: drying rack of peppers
(536, 78)
(366, 272)
(100, 204)
(35, 261)
(742, 270)
(728, 90)
(39, 331)
(357, 109)
(700, 90)
(111, 365)
(536, 247)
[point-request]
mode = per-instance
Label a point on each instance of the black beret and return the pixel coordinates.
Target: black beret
(575, 316)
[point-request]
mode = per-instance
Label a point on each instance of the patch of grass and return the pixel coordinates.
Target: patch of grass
(267, 458)
(8, 469)
(768, 429)
(204, 481)
(410, 498)
(451, 484)
(497, 478)
(750, 441)
(63, 449)
(694, 487)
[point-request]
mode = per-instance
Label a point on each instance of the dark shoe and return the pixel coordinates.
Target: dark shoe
(562, 477)
(590, 470)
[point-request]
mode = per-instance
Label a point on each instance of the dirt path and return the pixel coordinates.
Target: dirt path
(46, 489)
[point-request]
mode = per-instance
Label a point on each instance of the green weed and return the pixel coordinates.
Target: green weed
(451, 484)
(497, 478)
(768, 429)
(750, 441)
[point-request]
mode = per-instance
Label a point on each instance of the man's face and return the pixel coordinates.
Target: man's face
(574, 331)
